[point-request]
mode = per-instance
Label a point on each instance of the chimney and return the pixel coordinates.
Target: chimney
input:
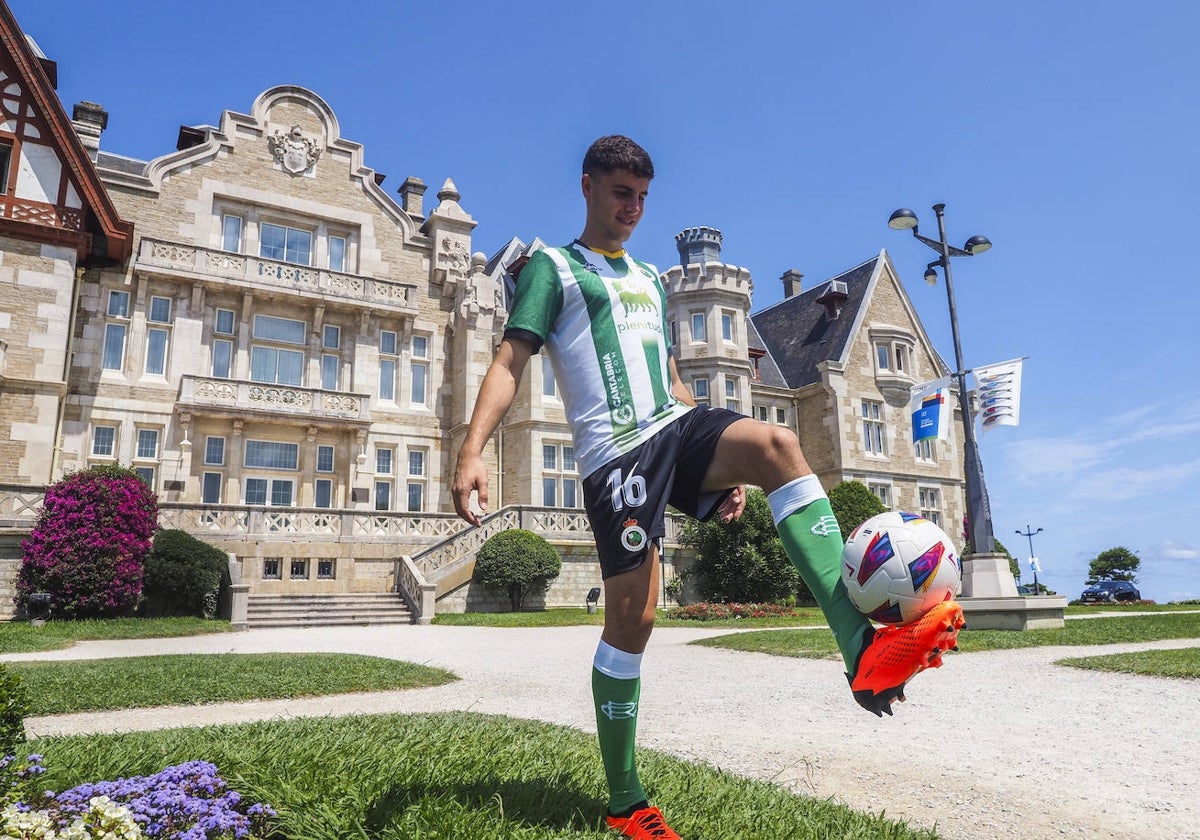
(698, 245)
(791, 282)
(89, 120)
(411, 192)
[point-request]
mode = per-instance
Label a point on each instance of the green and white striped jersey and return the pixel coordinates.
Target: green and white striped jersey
(603, 321)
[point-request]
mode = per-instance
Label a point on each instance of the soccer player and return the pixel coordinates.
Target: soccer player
(642, 443)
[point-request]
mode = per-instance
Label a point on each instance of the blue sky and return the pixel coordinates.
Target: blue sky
(1065, 132)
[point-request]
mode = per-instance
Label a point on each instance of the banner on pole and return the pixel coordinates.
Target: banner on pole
(998, 387)
(930, 405)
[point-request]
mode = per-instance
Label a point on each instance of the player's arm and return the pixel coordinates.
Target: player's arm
(679, 391)
(495, 396)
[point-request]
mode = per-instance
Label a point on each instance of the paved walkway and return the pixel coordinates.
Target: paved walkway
(979, 743)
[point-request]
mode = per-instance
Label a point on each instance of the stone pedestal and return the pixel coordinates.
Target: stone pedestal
(990, 601)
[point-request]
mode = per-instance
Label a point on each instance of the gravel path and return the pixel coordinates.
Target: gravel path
(995, 745)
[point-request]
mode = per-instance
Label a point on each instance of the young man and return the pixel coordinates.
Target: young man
(641, 443)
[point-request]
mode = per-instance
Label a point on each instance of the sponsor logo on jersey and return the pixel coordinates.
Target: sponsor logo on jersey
(633, 536)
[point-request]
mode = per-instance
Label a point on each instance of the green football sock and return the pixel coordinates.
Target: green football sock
(616, 686)
(810, 535)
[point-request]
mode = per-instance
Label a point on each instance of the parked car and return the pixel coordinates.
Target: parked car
(1110, 591)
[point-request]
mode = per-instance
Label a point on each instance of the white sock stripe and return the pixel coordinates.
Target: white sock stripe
(617, 664)
(794, 495)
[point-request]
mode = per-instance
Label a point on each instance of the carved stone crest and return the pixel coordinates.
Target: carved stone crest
(293, 151)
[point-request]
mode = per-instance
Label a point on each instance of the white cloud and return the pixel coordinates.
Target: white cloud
(1172, 550)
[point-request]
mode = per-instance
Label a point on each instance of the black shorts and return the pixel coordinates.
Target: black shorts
(627, 498)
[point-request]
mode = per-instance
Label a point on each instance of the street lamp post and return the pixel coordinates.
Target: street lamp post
(979, 512)
(1029, 534)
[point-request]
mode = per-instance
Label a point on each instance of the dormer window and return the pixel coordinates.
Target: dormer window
(895, 368)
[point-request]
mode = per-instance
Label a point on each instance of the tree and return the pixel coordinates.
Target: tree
(183, 575)
(853, 504)
(518, 562)
(1114, 564)
(90, 542)
(743, 561)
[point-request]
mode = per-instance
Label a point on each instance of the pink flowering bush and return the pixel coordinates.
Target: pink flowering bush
(715, 612)
(90, 543)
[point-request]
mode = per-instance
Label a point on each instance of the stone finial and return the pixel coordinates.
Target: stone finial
(448, 192)
(698, 245)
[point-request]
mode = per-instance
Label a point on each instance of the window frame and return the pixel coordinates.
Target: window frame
(874, 428)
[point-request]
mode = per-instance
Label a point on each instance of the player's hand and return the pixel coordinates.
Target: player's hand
(471, 474)
(733, 505)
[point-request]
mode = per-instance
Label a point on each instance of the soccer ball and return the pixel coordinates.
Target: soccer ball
(897, 566)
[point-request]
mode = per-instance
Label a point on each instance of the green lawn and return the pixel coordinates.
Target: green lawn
(815, 644)
(57, 688)
(388, 777)
(568, 616)
(1181, 663)
(22, 637)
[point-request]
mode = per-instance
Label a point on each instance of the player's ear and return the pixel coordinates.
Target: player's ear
(585, 184)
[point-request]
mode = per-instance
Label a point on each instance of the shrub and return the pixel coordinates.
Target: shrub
(853, 504)
(183, 575)
(716, 612)
(518, 562)
(90, 542)
(14, 706)
(743, 560)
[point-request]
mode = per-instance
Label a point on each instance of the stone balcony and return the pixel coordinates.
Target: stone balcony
(175, 259)
(235, 398)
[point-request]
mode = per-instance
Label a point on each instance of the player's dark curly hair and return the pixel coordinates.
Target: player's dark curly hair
(608, 154)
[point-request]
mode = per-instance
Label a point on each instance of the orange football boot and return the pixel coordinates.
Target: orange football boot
(891, 656)
(643, 824)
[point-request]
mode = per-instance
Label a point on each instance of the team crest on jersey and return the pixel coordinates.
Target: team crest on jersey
(623, 414)
(633, 537)
(634, 297)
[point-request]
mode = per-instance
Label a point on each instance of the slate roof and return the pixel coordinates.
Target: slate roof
(120, 163)
(797, 335)
(768, 371)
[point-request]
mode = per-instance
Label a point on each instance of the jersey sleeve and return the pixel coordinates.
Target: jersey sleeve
(536, 303)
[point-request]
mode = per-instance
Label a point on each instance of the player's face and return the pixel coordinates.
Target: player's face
(615, 201)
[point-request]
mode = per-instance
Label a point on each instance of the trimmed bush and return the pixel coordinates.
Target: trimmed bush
(14, 706)
(518, 562)
(183, 575)
(743, 561)
(853, 504)
(90, 543)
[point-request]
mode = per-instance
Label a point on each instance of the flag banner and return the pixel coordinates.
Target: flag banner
(998, 388)
(930, 406)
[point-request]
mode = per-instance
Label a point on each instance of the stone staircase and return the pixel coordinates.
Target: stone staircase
(327, 610)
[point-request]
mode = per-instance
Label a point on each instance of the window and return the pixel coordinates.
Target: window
(893, 352)
(276, 365)
(383, 495)
(272, 568)
(156, 351)
(160, 310)
(231, 233)
(222, 358)
(214, 450)
(387, 365)
(286, 244)
(276, 492)
(383, 460)
(925, 450)
(326, 568)
(5, 165)
(699, 331)
(224, 325)
(872, 419)
(147, 444)
(930, 502)
(420, 369)
(330, 368)
(113, 356)
(337, 253)
(416, 480)
(323, 497)
(731, 400)
(104, 441)
(146, 474)
(883, 356)
(883, 492)
(210, 488)
(272, 455)
(700, 390)
(560, 484)
(727, 326)
(548, 386)
(324, 458)
(331, 337)
(781, 416)
(760, 413)
(901, 358)
(299, 568)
